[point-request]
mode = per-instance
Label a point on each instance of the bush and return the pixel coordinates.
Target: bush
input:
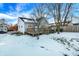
(61, 30)
(17, 33)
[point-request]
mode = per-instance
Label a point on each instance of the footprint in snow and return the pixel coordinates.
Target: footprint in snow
(43, 47)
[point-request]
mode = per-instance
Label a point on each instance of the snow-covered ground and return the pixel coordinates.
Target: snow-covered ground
(47, 45)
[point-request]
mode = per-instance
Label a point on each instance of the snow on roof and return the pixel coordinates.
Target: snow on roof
(75, 21)
(51, 20)
(24, 19)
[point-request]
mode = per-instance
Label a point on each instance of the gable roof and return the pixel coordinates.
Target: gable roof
(43, 19)
(27, 19)
(76, 24)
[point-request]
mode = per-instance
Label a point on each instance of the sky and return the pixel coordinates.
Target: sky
(10, 11)
(15, 7)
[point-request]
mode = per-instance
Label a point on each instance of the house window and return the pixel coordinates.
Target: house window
(21, 26)
(5, 29)
(1, 29)
(1, 26)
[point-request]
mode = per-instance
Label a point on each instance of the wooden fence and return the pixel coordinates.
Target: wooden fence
(74, 28)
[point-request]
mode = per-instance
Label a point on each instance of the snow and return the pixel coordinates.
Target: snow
(30, 21)
(51, 20)
(75, 20)
(26, 45)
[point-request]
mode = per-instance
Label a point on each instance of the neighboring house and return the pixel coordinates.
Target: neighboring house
(62, 27)
(44, 25)
(3, 26)
(73, 26)
(69, 27)
(26, 25)
(12, 27)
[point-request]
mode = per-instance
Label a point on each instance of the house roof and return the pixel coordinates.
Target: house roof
(24, 19)
(76, 24)
(75, 20)
(51, 20)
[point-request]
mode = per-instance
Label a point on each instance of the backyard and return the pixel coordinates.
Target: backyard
(63, 44)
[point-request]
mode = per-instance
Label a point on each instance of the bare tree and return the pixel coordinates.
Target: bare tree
(38, 13)
(66, 12)
(59, 12)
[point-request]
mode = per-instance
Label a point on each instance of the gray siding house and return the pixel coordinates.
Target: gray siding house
(3, 26)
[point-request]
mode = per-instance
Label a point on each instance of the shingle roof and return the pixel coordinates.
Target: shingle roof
(26, 19)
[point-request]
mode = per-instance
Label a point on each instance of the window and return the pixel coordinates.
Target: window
(2, 26)
(5, 29)
(1, 29)
(21, 26)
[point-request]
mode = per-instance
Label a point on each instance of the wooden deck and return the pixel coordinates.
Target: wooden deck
(31, 31)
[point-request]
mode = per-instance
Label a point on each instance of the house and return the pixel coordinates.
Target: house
(44, 25)
(3, 26)
(12, 27)
(68, 27)
(65, 27)
(28, 25)
(25, 24)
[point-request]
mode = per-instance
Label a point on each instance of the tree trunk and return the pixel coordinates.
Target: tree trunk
(37, 31)
(58, 17)
(58, 27)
